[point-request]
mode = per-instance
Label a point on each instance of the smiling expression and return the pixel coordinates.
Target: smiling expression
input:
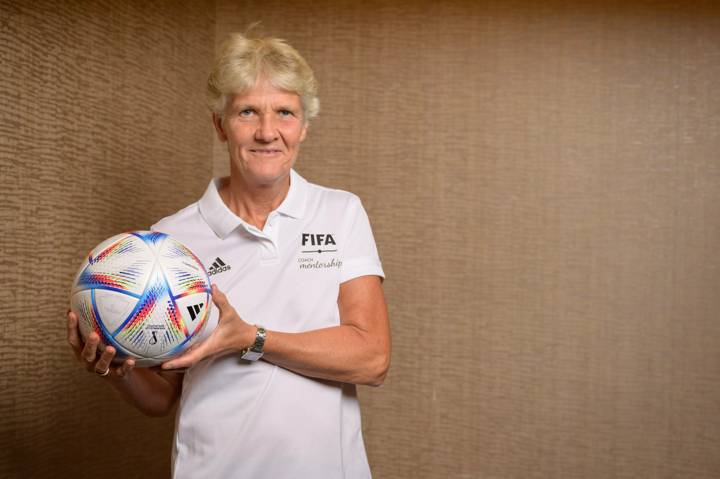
(263, 128)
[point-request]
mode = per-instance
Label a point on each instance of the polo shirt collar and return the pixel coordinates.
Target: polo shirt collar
(223, 221)
(294, 203)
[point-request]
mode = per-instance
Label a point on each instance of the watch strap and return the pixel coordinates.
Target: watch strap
(255, 352)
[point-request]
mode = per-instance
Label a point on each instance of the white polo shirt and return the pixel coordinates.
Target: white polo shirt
(240, 419)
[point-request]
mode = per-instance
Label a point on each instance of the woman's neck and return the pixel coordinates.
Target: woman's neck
(253, 203)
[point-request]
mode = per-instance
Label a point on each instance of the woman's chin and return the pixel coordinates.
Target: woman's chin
(265, 176)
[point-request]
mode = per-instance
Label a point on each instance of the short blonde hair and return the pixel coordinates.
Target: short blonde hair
(242, 61)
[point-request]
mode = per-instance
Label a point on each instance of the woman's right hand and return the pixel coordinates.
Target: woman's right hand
(89, 354)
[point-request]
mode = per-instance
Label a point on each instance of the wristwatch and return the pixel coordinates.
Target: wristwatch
(255, 352)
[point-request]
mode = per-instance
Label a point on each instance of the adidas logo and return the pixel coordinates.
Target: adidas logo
(218, 266)
(194, 311)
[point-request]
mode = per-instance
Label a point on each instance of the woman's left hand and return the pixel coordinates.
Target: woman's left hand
(231, 334)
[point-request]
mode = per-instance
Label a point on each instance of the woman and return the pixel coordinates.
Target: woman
(302, 282)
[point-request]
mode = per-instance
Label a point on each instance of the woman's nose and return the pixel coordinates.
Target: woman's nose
(266, 131)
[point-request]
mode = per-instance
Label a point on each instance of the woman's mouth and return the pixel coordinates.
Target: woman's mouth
(265, 151)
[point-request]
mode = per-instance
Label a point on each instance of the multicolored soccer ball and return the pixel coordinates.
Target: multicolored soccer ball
(144, 293)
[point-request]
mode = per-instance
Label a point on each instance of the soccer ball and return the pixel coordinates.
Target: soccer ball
(144, 293)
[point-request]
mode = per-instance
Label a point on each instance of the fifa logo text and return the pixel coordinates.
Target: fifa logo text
(317, 239)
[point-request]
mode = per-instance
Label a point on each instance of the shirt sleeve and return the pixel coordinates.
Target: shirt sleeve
(360, 256)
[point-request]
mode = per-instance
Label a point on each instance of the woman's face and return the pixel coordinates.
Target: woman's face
(263, 128)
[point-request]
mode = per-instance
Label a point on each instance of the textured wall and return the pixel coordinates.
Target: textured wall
(102, 129)
(542, 180)
(544, 186)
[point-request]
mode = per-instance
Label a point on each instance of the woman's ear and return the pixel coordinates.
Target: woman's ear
(219, 129)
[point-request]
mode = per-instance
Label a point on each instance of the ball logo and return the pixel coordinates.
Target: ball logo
(194, 310)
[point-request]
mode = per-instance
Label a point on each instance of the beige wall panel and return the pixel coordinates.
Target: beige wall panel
(101, 131)
(543, 182)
